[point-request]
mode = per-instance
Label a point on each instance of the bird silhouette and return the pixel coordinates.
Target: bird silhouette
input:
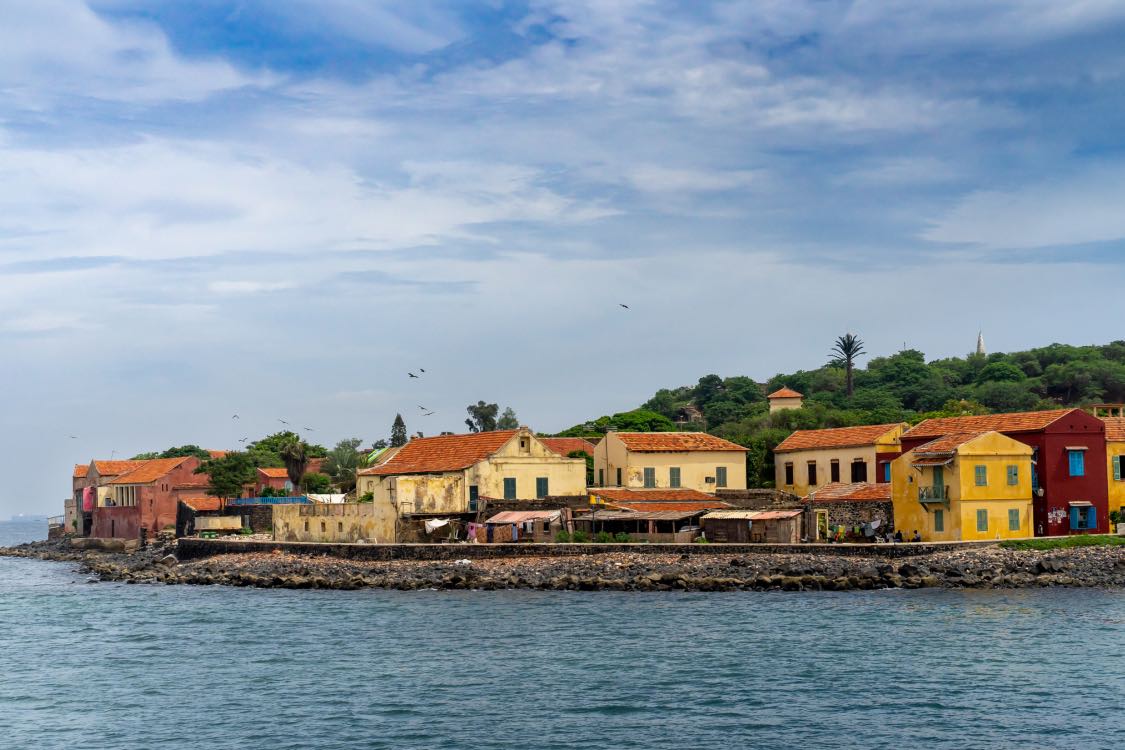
(73, 437)
(243, 440)
(421, 407)
(623, 305)
(310, 429)
(428, 413)
(282, 421)
(411, 374)
(235, 417)
(423, 369)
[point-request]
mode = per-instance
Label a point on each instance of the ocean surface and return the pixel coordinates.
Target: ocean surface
(105, 665)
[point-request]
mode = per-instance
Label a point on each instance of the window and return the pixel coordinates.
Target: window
(886, 471)
(1117, 468)
(859, 470)
(674, 476)
(982, 520)
(812, 473)
(1013, 474)
(650, 476)
(546, 527)
(339, 526)
(939, 520)
(601, 477)
(1077, 463)
(306, 525)
(1083, 517)
(720, 476)
(618, 476)
(474, 496)
(323, 527)
(541, 487)
(1013, 519)
(834, 471)
(789, 472)
(981, 473)
(509, 488)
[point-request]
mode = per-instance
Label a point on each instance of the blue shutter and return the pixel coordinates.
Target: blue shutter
(1077, 463)
(1092, 518)
(541, 487)
(1074, 518)
(887, 471)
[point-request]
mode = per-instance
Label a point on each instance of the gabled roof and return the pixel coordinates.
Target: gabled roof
(81, 470)
(675, 442)
(835, 437)
(842, 492)
(946, 444)
(566, 445)
(273, 472)
(202, 503)
(149, 471)
(113, 468)
(1114, 429)
(444, 453)
(786, 392)
(659, 499)
(1026, 421)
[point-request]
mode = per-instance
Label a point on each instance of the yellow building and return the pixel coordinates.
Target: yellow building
(962, 487)
(809, 459)
(451, 474)
(672, 460)
(1115, 461)
(785, 398)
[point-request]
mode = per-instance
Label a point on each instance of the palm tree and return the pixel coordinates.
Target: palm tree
(844, 354)
(295, 453)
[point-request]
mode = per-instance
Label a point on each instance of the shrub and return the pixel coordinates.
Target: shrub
(580, 537)
(1063, 542)
(622, 537)
(603, 537)
(562, 537)
(366, 497)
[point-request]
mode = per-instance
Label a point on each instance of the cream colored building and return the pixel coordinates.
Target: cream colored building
(687, 460)
(809, 459)
(452, 474)
(335, 522)
(785, 398)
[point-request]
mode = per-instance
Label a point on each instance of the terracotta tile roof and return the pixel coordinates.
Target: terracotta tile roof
(1027, 421)
(836, 437)
(273, 472)
(81, 470)
(751, 515)
(444, 453)
(113, 468)
(567, 445)
(841, 492)
(685, 506)
(946, 445)
(659, 499)
(785, 392)
(659, 442)
(217, 454)
(203, 503)
(1114, 429)
(149, 471)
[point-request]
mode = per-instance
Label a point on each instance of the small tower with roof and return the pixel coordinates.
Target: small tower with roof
(785, 398)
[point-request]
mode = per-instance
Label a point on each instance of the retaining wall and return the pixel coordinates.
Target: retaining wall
(192, 548)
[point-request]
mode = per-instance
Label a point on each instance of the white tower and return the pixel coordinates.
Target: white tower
(980, 343)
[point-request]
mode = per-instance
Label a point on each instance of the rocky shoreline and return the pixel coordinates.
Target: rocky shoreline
(978, 568)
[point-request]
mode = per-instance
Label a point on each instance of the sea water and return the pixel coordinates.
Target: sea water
(107, 665)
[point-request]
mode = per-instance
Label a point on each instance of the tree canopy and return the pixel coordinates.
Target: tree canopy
(482, 417)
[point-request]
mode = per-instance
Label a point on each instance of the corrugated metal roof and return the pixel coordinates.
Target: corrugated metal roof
(751, 515)
(522, 516)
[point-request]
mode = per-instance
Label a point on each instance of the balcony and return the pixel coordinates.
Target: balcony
(927, 495)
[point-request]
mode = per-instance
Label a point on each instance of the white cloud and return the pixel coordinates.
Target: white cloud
(42, 322)
(656, 178)
(249, 287)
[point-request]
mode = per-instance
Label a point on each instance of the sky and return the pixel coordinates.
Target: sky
(278, 210)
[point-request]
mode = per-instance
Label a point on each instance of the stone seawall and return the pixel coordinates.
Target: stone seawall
(191, 549)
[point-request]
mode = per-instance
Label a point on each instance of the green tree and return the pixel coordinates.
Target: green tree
(343, 462)
(316, 483)
(179, 452)
(295, 454)
(508, 420)
(482, 417)
(228, 474)
(1001, 372)
(398, 432)
(844, 353)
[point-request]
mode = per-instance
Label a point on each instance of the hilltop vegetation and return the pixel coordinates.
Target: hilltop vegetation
(900, 387)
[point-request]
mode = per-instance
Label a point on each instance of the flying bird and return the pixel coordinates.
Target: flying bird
(243, 440)
(412, 374)
(423, 369)
(428, 413)
(282, 421)
(73, 437)
(310, 429)
(235, 417)
(622, 304)
(421, 407)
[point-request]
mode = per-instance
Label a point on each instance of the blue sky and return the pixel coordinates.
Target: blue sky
(278, 209)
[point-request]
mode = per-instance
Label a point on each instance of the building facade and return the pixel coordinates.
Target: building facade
(809, 459)
(785, 398)
(1069, 459)
(146, 498)
(1115, 463)
(670, 460)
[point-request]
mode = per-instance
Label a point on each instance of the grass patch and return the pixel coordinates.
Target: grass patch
(1064, 542)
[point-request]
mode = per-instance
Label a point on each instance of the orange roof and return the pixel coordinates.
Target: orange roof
(149, 471)
(217, 454)
(273, 472)
(113, 468)
(444, 453)
(854, 492)
(1114, 429)
(566, 446)
(203, 503)
(687, 505)
(785, 392)
(659, 442)
(1026, 421)
(658, 499)
(946, 444)
(836, 437)
(81, 470)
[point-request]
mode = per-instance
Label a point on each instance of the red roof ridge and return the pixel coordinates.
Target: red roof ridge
(786, 392)
(1018, 421)
(149, 471)
(675, 442)
(835, 437)
(434, 455)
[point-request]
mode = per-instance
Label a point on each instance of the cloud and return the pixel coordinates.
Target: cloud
(249, 287)
(42, 322)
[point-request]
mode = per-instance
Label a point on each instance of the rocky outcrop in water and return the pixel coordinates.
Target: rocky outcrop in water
(978, 568)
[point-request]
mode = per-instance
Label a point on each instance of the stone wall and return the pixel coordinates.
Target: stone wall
(859, 513)
(759, 499)
(191, 548)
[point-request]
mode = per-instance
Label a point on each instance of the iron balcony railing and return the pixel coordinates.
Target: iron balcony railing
(933, 493)
(55, 521)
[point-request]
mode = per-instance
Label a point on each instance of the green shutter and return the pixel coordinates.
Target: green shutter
(541, 487)
(1117, 468)
(939, 520)
(982, 520)
(982, 476)
(1013, 475)
(1013, 519)
(650, 477)
(674, 476)
(720, 476)
(509, 488)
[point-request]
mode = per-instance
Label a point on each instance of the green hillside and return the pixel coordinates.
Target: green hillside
(901, 387)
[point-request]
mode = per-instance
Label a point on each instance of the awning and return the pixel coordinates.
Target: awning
(523, 516)
(1080, 504)
(1076, 447)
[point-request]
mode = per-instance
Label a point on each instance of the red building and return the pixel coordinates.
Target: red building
(1068, 472)
(146, 497)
